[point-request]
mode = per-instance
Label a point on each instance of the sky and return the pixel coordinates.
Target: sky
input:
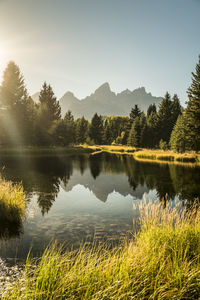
(77, 45)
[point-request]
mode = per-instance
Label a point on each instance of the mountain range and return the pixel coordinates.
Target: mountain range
(105, 102)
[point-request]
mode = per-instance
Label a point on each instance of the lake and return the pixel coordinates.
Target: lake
(81, 198)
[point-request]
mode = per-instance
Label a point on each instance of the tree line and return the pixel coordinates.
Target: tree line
(24, 122)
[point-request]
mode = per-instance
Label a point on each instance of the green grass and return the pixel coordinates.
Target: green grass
(12, 201)
(162, 262)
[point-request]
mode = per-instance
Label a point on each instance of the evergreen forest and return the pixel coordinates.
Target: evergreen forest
(26, 123)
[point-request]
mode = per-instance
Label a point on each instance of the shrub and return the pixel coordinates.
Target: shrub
(163, 145)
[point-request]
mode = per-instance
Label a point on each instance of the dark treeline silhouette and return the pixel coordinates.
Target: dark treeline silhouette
(23, 122)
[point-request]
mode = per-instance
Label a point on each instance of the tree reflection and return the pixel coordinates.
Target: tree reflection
(43, 175)
(10, 230)
(95, 162)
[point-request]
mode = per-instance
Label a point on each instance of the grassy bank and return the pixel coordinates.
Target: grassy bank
(12, 202)
(138, 153)
(154, 155)
(162, 262)
(167, 156)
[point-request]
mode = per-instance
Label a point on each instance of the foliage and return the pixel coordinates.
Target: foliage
(96, 129)
(18, 109)
(151, 109)
(135, 113)
(70, 128)
(49, 108)
(168, 112)
(186, 133)
(135, 134)
(177, 140)
(193, 111)
(22, 122)
(81, 130)
(163, 145)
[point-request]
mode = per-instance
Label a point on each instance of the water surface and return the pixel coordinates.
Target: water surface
(81, 198)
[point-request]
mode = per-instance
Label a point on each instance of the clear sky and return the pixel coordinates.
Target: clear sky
(77, 45)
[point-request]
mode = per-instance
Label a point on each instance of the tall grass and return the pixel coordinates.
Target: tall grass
(12, 201)
(162, 262)
(167, 156)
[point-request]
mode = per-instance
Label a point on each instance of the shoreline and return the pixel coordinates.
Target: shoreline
(147, 155)
(150, 155)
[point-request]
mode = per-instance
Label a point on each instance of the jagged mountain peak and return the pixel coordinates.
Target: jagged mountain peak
(105, 102)
(104, 88)
(69, 94)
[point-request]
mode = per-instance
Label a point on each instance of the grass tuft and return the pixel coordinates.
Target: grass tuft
(12, 201)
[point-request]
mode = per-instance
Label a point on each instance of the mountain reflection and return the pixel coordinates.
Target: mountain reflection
(102, 174)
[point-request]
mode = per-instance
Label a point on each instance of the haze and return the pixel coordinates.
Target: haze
(77, 45)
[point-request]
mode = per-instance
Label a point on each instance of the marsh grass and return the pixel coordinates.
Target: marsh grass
(167, 156)
(148, 154)
(12, 202)
(162, 262)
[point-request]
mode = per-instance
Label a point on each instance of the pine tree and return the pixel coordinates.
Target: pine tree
(135, 134)
(107, 136)
(153, 130)
(49, 107)
(59, 134)
(151, 109)
(70, 128)
(193, 111)
(19, 110)
(143, 131)
(165, 120)
(177, 140)
(13, 88)
(176, 109)
(135, 112)
(96, 129)
(81, 130)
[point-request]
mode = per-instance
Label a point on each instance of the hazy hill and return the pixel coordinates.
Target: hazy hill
(105, 102)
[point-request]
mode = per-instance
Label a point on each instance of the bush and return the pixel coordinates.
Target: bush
(89, 141)
(163, 145)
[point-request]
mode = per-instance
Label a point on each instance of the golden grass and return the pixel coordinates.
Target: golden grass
(12, 201)
(167, 155)
(147, 154)
(162, 262)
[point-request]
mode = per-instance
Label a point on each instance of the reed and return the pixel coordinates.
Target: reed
(162, 262)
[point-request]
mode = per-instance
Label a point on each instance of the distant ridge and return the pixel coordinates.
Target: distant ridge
(105, 102)
(35, 97)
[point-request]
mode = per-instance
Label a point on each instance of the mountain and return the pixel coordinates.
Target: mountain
(105, 102)
(102, 187)
(35, 97)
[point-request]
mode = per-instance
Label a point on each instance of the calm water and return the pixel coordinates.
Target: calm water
(80, 198)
